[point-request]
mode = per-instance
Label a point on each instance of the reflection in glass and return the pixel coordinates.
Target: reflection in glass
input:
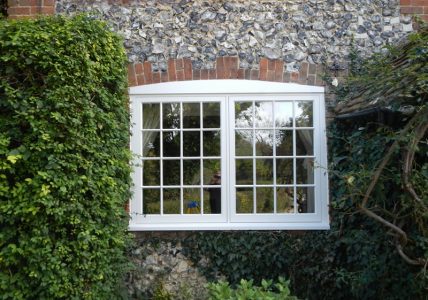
(284, 142)
(264, 171)
(151, 172)
(244, 171)
(211, 143)
(171, 201)
(305, 170)
(243, 114)
(191, 115)
(151, 115)
(191, 143)
(211, 113)
(303, 113)
(284, 171)
(191, 171)
(171, 172)
(211, 167)
(263, 114)
(264, 199)
(244, 200)
(244, 142)
(192, 201)
(151, 201)
(212, 200)
(171, 143)
(305, 142)
(284, 200)
(284, 114)
(171, 115)
(305, 199)
(151, 143)
(264, 142)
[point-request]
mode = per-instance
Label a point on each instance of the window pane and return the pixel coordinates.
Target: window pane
(151, 115)
(191, 143)
(151, 172)
(211, 115)
(305, 170)
(191, 115)
(151, 201)
(244, 142)
(263, 114)
(171, 172)
(151, 144)
(284, 171)
(284, 200)
(211, 143)
(264, 200)
(171, 115)
(243, 114)
(192, 172)
(192, 201)
(305, 199)
(171, 201)
(211, 169)
(244, 200)
(212, 200)
(264, 171)
(305, 142)
(264, 142)
(244, 171)
(171, 143)
(303, 111)
(284, 114)
(284, 143)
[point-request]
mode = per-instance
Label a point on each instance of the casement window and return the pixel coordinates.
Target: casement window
(228, 155)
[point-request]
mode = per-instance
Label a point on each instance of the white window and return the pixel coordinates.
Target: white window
(228, 154)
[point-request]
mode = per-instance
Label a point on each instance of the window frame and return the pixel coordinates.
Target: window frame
(228, 91)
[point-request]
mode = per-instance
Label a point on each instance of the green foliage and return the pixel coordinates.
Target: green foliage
(64, 163)
(3, 8)
(246, 290)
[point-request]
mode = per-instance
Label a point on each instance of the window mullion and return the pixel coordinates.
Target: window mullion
(161, 155)
(274, 158)
(254, 159)
(181, 160)
(294, 159)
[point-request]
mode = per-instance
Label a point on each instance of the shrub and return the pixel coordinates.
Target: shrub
(64, 163)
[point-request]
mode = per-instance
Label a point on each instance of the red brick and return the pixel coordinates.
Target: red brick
(311, 79)
(164, 77)
(425, 17)
(412, 10)
(204, 74)
(247, 74)
(312, 69)
(405, 2)
(263, 74)
(279, 69)
(240, 74)
(196, 74)
(140, 79)
(271, 65)
(254, 75)
(139, 68)
(212, 74)
(180, 75)
(304, 69)
(12, 3)
(148, 72)
(286, 77)
(294, 77)
(319, 81)
(132, 80)
(156, 77)
(419, 2)
(171, 70)
(426, 10)
(19, 11)
(187, 69)
(231, 67)
(220, 68)
(28, 3)
(179, 64)
(270, 76)
(49, 2)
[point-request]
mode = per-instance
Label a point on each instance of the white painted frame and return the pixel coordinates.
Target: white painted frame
(228, 91)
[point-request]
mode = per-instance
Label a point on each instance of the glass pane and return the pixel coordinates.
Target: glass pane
(305, 142)
(264, 171)
(171, 172)
(192, 201)
(244, 142)
(151, 115)
(151, 172)
(151, 144)
(244, 171)
(211, 143)
(303, 111)
(212, 200)
(284, 171)
(264, 199)
(191, 143)
(263, 114)
(284, 142)
(305, 170)
(171, 201)
(191, 172)
(211, 115)
(191, 115)
(305, 199)
(171, 143)
(151, 201)
(212, 171)
(284, 200)
(244, 200)
(243, 114)
(264, 142)
(171, 115)
(284, 114)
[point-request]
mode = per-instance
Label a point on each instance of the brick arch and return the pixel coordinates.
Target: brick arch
(225, 68)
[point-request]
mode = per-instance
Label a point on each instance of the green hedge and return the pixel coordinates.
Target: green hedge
(64, 159)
